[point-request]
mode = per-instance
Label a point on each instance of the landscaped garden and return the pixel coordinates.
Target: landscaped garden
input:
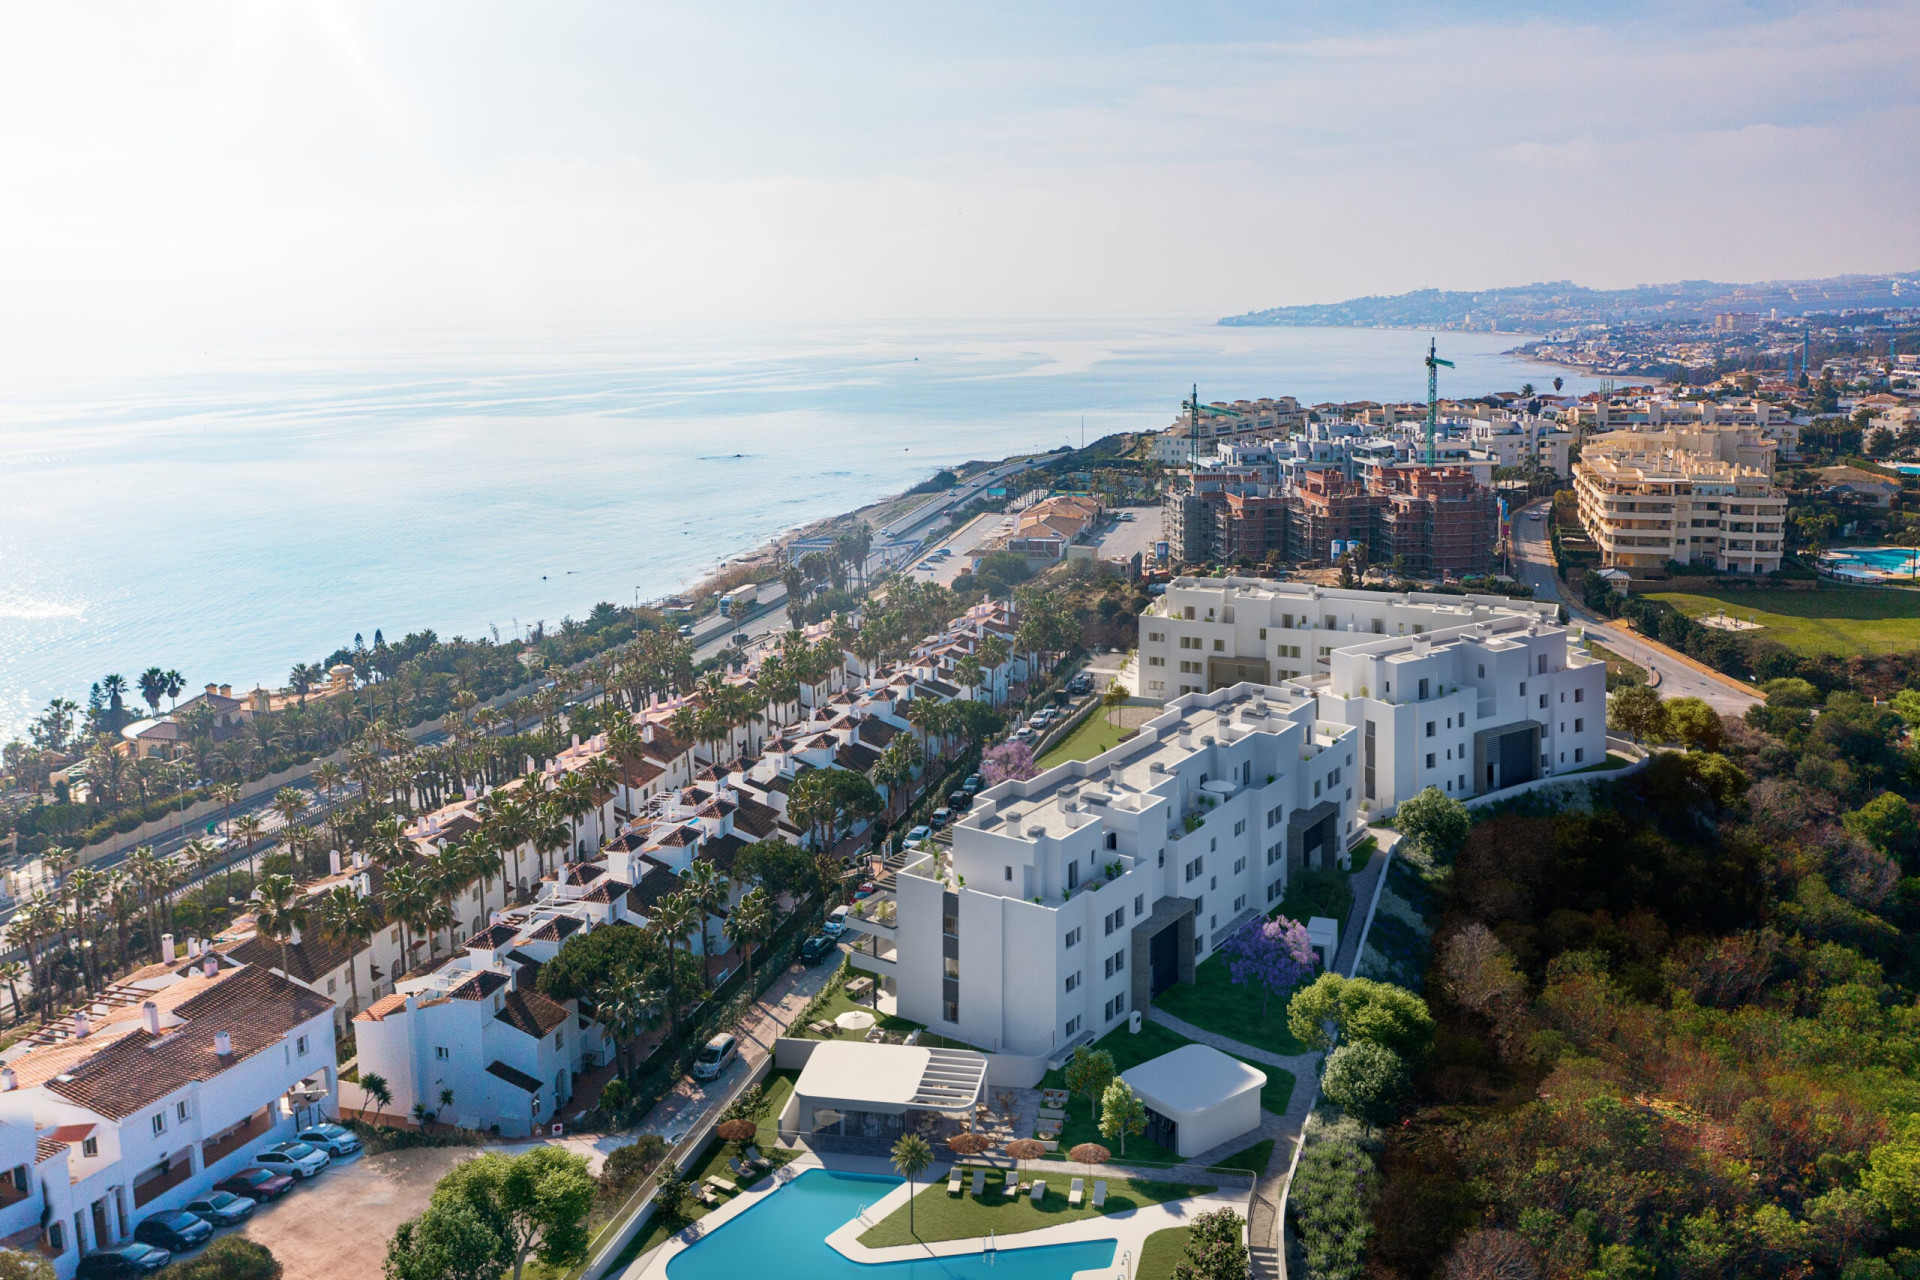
(1163, 1251)
(940, 1216)
(1089, 739)
(1841, 620)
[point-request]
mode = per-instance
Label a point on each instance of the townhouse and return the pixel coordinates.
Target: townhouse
(175, 1078)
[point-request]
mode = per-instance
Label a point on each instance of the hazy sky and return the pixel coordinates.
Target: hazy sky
(174, 169)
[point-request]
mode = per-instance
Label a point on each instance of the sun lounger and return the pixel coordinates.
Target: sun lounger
(722, 1185)
(707, 1196)
(979, 1181)
(1013, 1184)
(953, 1183)
(1077, 1189)
(1039, 1190)
(1100, 1193)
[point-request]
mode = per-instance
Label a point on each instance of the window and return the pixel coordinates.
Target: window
(952, 964)
(1073, 939)
(300, 1046)
(1240, 902)
(441, 1052)
(950, 922)
(1115, 1007)
(1009, 873)
(1273, 890)
(1073, 1023)
(1219, 646)
(1240, 827)
(1429, 759)
(1541, 668)
(1579, 723)
(1316, 788)
(1189, 642)
(1239, 865)
(1140, 904)
(1263, 633)
(1273, 853)
(1193, 868)
(1273, 815)
(159, 1122)
(559, 1039)
(1523, 688)
(1423, 695)
(1579, 695)
(180, 1109)
(331, 985)
(1543, 702)
(1579, 754)
(1156, 661)
(57, 1235)
(90, 1147)
(1187, 613)
(952, 1011)
(1483, 671)
(1115, 919)
(1430, 727)
(1156, 636)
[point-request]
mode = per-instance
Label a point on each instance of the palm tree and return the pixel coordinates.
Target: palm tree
(175, 683)
(290, 803)
(710, 889)
(280, 912)
(406, 899)
(675, 917)
(32, 925)
(11, 971)
(153, 687)
(626, 1007)
(329, 778)
(911, 1156)
(375, 1086)
(750, 924)
(347, 920)
(249, 828)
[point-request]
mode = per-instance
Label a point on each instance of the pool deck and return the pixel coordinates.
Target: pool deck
(1129, 1230)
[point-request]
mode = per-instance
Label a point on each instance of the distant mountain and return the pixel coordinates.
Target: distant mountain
(1562, 302)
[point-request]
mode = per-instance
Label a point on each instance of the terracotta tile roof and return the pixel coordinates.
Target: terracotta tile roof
(679, 837)
(309, 960)
(256, 1008)
(877, 733)
(641, 772)
(722, 850)
(852, 755)
(756, 819)
(45, 1149)
(531, 1013)
(518, 1079)
(653, 886)
(942, 688)
(608, 890)
(482, 984)
(381, 1008)
(494, 936)
(556, 929)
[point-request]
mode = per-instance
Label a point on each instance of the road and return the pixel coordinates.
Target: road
(1533, 565)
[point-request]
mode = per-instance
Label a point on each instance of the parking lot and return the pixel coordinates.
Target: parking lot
(339, 1223)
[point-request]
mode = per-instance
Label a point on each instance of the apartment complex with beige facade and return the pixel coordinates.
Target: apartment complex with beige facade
(1699, 495)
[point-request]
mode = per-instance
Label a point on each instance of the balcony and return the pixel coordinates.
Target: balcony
(876, 915)
(163, 1177)
(214, 1150)
(883, 966)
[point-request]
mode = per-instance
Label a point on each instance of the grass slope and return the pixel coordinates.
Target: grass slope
(1841, 620)
(1163, 1251)
(939, 1216)
(1092, 737)
(1253, 1159)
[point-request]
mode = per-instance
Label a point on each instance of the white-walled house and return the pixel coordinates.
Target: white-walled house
(176, 1080)
(1072, 898)
(1469, 694)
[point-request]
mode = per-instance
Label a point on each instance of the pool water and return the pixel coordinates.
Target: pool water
(1901, 560)
(785, 1235)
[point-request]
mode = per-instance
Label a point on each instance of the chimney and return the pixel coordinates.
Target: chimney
(80, 1027)
(366, 883)
(226, 691)
(213, 691)
(150, 1012)
(576, 742)
(223, 1044)
(166, 948)
(333, 861)
(8, 1081)
(211, 967)
(646, 732)
(469, 791)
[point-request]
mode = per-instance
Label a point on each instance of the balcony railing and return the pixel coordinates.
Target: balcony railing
(216, 1149)
(177, 1169)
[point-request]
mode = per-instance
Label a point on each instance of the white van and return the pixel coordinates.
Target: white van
(716, 1057)
(836, 922)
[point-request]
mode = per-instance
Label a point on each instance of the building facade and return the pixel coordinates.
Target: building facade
(1646, 498)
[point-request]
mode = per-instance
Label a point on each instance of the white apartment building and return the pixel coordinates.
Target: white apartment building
(1469, 694)
(1072, 898)
(1220, 422)
(142, 1100)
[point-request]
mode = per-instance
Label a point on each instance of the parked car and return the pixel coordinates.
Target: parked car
(972, 784)
(259, 1185)
(817, 948)
(130, 1259)
(222, 1208)
(1023, 733)
(918, 834)
(295, 1159)
(938, 818)
(836, 922)
(866, 890)
(334, 1139)
(716, 1057)
(175, 1230)
(960, 800)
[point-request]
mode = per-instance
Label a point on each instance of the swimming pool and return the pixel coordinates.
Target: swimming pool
(1897, 560)
(786, 1234)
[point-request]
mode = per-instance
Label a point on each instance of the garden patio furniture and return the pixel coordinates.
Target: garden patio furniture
(979, 1182)
(1100, 1193)
(1013, 1185)
(953, 1182)
(1074, 1191)
(1039, 1190)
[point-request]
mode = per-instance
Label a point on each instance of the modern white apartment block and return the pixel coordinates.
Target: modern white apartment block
(1469, 693)
(173, 1079)
(1070, 899)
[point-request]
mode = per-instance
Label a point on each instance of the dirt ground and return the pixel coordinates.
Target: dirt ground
(337, 1227)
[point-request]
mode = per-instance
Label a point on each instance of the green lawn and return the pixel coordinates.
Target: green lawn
(1838, 620)
(1092, 737)
(840, 1002)
(939, 1216)
(1253, 1159)
(1130, 1050)
(1617, 666)
(1163, 1251)
(1614, 760)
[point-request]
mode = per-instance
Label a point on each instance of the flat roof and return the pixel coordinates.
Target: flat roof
(879, 1077)
(1193, 1079)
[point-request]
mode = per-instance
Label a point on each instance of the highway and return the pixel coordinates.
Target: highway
(1533, 565)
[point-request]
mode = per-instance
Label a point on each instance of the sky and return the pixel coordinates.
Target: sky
(180, 171)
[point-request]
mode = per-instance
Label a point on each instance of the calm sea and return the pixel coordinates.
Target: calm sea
(231, 514)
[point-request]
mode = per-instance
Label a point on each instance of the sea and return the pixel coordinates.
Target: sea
(229, 513)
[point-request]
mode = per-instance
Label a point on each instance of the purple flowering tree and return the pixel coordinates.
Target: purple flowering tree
(1009, 760)
(1272, 954)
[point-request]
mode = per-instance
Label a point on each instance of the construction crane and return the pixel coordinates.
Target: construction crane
(1433, 393)
(1194, 409)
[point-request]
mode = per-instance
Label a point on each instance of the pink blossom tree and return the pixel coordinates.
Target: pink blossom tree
(1272, 954)
(1009, 760)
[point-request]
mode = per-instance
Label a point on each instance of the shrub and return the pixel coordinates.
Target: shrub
(1366, 1079)
(228, 1258)
(627, 1166)
(1332, 1204)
